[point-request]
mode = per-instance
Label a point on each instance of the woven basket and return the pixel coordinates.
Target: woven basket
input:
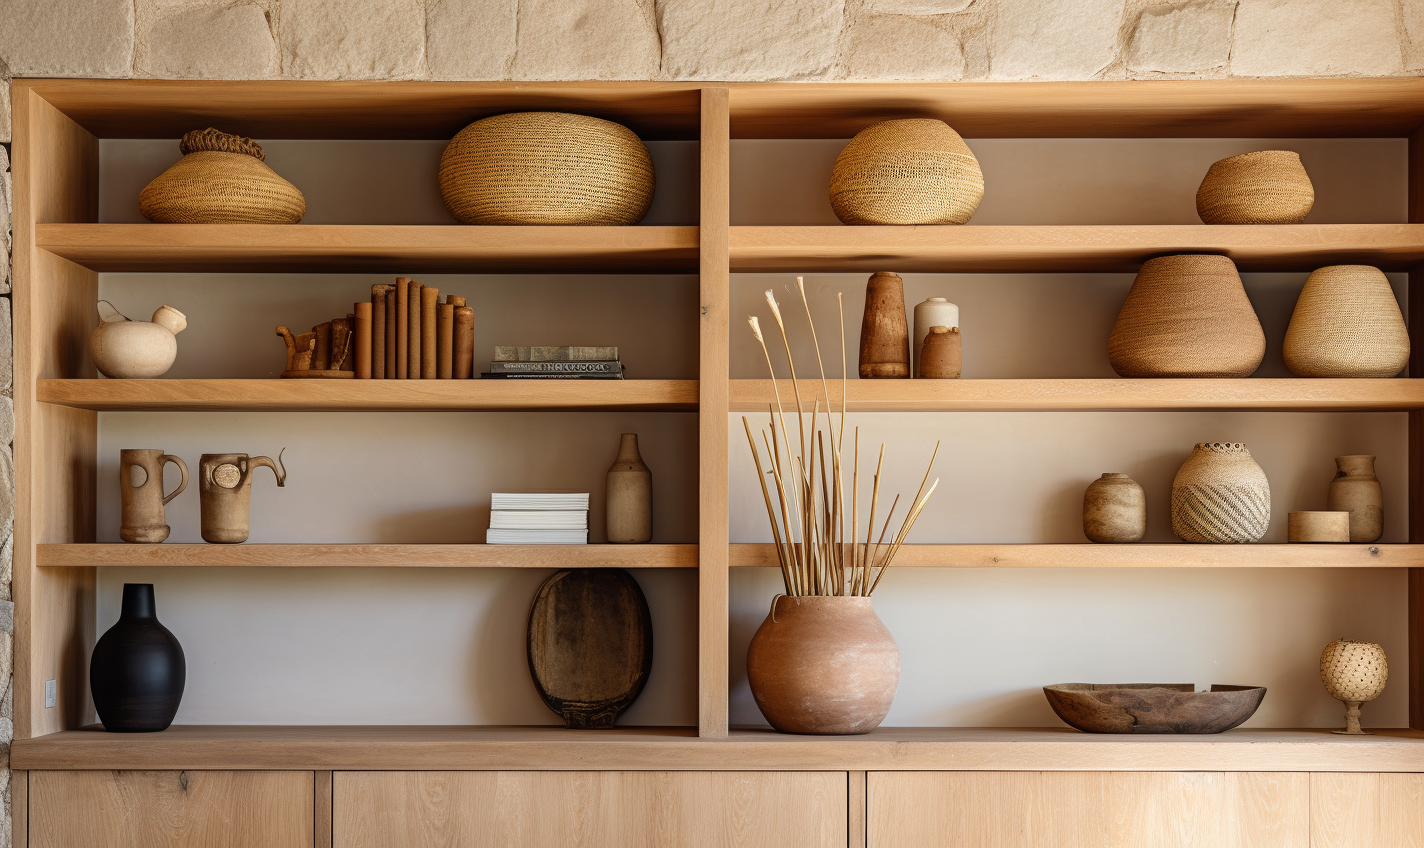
(1347, 324)
(1265, 187)
(914, 171)
(546, 168)
(221, 179)
(1220, 495)
(1353, 671)
(1187, 316)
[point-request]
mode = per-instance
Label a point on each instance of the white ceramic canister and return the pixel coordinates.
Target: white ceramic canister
(934, 312)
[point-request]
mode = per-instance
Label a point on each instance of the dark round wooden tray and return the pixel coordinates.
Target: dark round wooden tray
(1153, 707)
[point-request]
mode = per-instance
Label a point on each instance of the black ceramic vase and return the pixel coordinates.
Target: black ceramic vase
(137, 670)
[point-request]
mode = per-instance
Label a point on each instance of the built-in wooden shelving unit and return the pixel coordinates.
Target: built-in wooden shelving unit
(382, 556)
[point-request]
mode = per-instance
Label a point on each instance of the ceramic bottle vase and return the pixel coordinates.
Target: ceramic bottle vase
(225, 493)
(1220, 494)
(141, 494)
(1353, 672)
(931, 312)
(1346, 323)
(884, 335)
(1187, 316)
(1114, 509)
(1356, 490)
(942, 354)
(823, 665)
(137, 671)
(629, 501)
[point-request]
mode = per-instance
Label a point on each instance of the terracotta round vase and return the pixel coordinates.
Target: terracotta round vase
(1220, 494)
(1346, 323)
(1187, 316)
(1114, 509)
(823, 665)
(1357, 491)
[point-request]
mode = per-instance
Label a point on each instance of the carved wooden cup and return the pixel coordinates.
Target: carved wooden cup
(141, 494)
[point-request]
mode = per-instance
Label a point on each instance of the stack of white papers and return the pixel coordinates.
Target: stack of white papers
(555, 518)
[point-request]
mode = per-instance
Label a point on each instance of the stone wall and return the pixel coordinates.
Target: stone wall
(663, 39)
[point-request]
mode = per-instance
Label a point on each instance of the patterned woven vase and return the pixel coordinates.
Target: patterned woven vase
(1265, 187)
(1353, 672)
(1220, 494)
(1187, 316)
(221, 179)
(1347, 324)
(913, 171)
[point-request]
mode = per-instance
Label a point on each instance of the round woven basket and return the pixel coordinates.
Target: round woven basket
(913, 171)
(221, 179)
(1353, 671)
(1346, 324)
(1220, 495)
(1187, 316)
(546, 168)
(1265, 187)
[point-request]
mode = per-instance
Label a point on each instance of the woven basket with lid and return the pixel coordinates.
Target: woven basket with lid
(911, 171)
(221, 179)
(1265, 187)
(546, 168)
(1346, 323)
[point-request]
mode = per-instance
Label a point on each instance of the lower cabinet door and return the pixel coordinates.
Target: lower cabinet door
(589, 809)
(1359, 810)
(170, 809)
(1099, 809)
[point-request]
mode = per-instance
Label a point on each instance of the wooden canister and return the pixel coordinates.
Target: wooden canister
(884, 332)
(941, 356)
(1318, 527)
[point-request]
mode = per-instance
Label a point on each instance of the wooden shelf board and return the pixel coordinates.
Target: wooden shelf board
(1088, 555)
(384, 556)
(370, 395)
(366, 248)
(1052, 395)
(638, 748)
(1062, 249)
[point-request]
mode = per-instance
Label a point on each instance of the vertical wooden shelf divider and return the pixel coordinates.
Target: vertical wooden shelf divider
(713, 533)
(1416, 442)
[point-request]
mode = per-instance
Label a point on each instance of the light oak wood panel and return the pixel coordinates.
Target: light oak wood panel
(170, 809)
(376, 556)
(1366, 810)
(369, 248)
(1107, 810)
(713, 522)
(856, 824)
(371, 395)
(1087, 555)
(292, 109)
(1059, 395)
(681, 749)
(1415, 305)
(322, 810)
(590, 809)
(1117, 109)
(1063, 249)
(19, 809)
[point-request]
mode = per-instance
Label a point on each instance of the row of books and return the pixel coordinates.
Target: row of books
(539, 518)
(555, 363)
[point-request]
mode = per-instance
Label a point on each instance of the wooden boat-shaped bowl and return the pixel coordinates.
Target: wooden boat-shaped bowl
(1152, 707)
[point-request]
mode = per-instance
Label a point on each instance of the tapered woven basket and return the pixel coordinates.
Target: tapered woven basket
(1265, 187)
(221, 179)
(1187, 316)
(546, 168)
(913, 171)
(1346, 324)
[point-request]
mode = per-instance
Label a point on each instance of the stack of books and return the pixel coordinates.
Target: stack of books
(538, 519)
(555, 363)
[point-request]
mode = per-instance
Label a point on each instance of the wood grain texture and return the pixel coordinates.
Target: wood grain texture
(590, 809)
(369, 395)
(376, 556)
(1111, 810)
(1087, 555)
(855, 820)
(1260, 393)
(1415, 305)
(19, 809)
(371, 248)
(322, 809)
(713, 523)
(1366, 810)
(555, 748)
(170, 809)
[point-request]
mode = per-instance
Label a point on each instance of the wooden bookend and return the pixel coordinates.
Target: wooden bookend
(340, 344)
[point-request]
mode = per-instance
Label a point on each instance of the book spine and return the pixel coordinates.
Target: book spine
(464, 342)
(603, 367)
(412, 333)
(429, 319)
(378, 331)
(492, 376)
(402, 328)
(445, 341)
(566, 353)
(321, 358)
(362, 365)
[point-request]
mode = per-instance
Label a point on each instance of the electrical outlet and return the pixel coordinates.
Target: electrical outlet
(50, 695)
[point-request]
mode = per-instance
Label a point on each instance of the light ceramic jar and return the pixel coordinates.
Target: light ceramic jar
(931, 312)
(1357, 491)
(1114, 509)
(629, 502)
(136, 349)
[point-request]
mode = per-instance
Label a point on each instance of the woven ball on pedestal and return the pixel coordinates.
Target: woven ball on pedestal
(912, 171)
(1354, 671)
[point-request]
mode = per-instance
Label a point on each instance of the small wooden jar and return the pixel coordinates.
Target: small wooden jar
(941, 356)
(1332, 527)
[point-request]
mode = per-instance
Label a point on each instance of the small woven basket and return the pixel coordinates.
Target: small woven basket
(1265, 187)
(1346, 323)
(912, 171)
(221, 179)
(546, 168)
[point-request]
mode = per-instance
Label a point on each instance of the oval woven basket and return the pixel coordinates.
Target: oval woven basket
(911, 171)
(546, 168)
(1220, 495)
(221, 179)
(1346, 323)
(1187, 316)
(1265, 187)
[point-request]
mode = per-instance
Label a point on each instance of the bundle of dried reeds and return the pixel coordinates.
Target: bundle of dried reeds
(805, 502)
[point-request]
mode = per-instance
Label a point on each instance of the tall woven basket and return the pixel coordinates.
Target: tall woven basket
(221, 179)
(546, 168)
(1187, 316)
(1346, 324)
(1265, 187)
(1220, 495)
(913, 171)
